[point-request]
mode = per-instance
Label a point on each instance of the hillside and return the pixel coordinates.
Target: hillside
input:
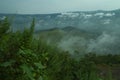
(94, 21)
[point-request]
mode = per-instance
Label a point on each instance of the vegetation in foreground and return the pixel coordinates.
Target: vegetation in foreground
(22, 57)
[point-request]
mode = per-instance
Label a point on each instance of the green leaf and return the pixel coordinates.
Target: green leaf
(40, 78)
(39, 65)
(8, 63)
(28, 71)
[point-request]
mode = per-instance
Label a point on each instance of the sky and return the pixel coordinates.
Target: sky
(55, 6)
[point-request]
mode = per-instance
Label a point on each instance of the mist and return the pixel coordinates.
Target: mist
(105, 43)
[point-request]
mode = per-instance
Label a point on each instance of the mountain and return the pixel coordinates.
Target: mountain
(94, 21)
(80, 31)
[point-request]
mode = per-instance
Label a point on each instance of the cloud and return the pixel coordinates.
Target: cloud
(51, 6)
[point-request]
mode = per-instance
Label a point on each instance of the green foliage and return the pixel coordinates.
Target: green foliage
(27, 36)
(4, 27)
(109, 75)
(18, 60)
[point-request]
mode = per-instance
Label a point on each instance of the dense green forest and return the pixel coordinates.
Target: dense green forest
(23, 57)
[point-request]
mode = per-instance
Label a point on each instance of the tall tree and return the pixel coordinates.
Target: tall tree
(28, 36)
(4, 26)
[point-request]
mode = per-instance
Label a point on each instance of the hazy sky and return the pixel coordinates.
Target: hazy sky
(53, 6)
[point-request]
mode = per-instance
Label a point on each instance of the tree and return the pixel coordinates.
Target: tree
(17, 59)
(4, 27)
(27, 36)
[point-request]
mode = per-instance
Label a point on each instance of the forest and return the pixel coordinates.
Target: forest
(25, 57)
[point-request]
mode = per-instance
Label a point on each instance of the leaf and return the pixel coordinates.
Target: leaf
(40, 78)
(39, 65)
(28, 71)
(8, 63)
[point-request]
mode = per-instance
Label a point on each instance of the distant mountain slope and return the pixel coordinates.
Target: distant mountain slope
(79, 41)
(68, 39)
(67, 31)
(94, 21)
